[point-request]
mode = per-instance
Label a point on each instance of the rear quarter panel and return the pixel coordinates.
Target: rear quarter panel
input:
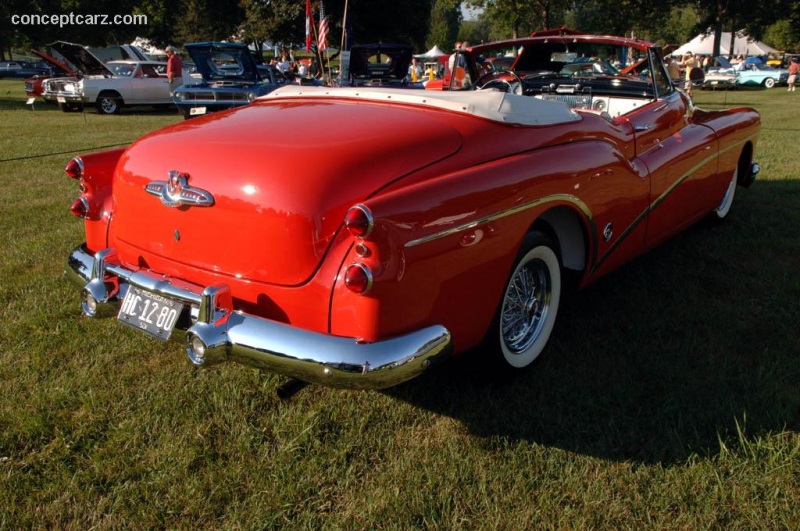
(442, 250)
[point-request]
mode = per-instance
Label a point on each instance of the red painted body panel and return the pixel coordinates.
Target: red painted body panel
(278, 208)
(33, 86)
(35, 82)
(452, 196)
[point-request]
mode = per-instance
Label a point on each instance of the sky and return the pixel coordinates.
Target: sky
(469, 13)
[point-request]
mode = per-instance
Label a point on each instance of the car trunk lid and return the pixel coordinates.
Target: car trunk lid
(282, 176)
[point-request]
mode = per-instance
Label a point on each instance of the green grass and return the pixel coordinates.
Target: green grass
(669, 396)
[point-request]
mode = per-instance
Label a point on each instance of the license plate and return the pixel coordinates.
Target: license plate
(194, 111)
(150, 312)
(61, 99)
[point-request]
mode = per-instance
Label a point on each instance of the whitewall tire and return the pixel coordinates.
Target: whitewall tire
(721, 212)
(530, 303)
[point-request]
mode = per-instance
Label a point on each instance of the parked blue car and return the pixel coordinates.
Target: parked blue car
(758, 73)
(230, 78)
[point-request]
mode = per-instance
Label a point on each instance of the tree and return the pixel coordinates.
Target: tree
(511, 16)
(207, 20)
(475, 31)
(283, 21)
(388, 20)
(644, 18)
(783, 35)
(445, 21)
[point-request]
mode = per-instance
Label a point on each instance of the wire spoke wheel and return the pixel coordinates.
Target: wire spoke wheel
(526, 305)
(530, 302)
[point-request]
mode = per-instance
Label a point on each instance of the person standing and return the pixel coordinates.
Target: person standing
(284, 65)
(794, 69)
(673, 69)
(689, 63)
(174, 68)
(452, 58)
(415, 70)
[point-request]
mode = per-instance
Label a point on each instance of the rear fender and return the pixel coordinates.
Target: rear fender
(440, 250)
(95, 186)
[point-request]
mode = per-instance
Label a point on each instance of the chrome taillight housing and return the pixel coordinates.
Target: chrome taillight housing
(80, 207)
(358, 278)
(74, 168)
(359, 221)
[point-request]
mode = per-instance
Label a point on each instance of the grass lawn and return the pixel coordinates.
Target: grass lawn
(669, 396)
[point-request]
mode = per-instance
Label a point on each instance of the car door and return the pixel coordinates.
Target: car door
(681, 157)
(156, 87)
(147, 86)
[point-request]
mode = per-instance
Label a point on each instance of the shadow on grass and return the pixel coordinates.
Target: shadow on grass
(661, 359)
(10, 102)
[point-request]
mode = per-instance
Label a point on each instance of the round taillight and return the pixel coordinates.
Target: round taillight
(75, 168)
(80, 207)
(358, 278)
(359, 221)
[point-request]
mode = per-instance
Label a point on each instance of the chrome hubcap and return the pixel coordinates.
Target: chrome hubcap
(525, 306)
(108, 104)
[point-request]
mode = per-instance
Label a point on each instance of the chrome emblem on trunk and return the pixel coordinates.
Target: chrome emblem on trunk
(176, 192)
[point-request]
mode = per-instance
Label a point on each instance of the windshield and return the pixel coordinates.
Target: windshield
(223, 61)
(122, 69)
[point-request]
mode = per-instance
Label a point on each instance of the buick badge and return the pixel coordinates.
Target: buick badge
(176, 192)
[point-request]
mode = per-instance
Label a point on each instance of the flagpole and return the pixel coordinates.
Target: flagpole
(344, 26)
(316, 40)
(344, 33)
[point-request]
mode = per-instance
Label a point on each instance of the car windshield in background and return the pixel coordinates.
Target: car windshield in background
(380, 61)
(223, 61)
(223, 64)
(122, 69)
(571, 58)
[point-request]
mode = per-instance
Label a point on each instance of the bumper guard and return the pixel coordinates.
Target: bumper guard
(219, 333)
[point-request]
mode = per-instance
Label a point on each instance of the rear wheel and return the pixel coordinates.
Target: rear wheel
(528, 310)
(769, 82)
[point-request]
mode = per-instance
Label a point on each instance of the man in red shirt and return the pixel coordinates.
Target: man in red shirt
(794, 69)
(174, 68)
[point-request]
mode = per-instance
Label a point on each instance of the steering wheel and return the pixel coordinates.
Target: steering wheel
(499, 80)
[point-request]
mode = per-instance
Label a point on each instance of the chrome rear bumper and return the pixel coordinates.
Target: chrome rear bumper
(218, 333)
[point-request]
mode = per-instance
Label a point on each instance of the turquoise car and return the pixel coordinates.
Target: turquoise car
(756, 73)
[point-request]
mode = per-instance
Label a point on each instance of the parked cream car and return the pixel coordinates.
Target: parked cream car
(108, 86)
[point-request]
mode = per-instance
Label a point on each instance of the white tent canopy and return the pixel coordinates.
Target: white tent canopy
(432, 53)
(743, 45)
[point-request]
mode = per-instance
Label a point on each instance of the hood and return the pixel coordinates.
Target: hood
(379, 61)
(83, 61)
(282, 175)
(60, 68)
(223, 61)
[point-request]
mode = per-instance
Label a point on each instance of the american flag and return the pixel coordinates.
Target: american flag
(322, 40)
(308, 25)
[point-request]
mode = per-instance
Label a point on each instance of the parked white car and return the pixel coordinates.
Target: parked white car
(108, 86)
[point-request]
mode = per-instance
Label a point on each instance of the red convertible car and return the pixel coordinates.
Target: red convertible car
(353, 237)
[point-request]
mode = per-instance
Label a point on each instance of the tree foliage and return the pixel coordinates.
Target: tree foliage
(276, 21)
(445, 20)
(418, 22)
(514, 18)
(783, 35)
